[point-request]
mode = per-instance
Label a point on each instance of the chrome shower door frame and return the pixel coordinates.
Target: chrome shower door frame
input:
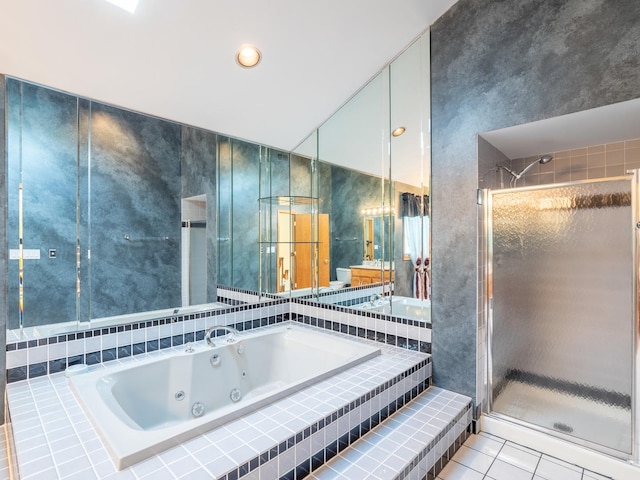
(487, 311)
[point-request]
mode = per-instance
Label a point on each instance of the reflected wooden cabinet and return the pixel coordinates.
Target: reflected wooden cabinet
(367, 276)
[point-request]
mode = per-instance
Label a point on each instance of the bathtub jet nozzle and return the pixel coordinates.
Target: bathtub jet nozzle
(235, 395)
(197, 410)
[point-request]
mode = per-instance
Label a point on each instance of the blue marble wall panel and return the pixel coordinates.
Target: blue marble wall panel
(496, 64)
(42, 141)
(198, 175)
(300, 177)
(135, 191)
(3, 246)
(246, 174)
(351, 191)
(225, 214)
(83, 229)
(276, 169)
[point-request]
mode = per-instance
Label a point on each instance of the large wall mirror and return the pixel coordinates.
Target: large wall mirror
(374, 164)
(114, 213)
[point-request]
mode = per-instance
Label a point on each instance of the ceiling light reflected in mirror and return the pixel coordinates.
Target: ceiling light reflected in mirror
(248, 56)
(398, 131)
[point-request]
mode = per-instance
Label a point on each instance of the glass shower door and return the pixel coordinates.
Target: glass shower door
(561, 286)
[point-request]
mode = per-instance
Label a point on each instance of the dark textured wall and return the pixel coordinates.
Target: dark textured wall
(498, 63)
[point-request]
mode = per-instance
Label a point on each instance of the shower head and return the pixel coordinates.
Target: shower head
(544, 159)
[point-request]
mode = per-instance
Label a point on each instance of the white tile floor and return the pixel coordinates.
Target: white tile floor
(482, 457)
(4, 459)
(487, 457)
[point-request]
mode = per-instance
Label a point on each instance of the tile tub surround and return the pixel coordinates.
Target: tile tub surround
(30, 356)
(55, 439)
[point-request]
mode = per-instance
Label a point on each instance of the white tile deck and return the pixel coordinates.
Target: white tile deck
(54, 438)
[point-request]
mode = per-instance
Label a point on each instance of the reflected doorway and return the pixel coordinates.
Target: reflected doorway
(299, 256)
(194, 250)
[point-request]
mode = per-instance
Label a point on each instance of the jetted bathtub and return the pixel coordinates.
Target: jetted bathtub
(147, 407)
(402, 307)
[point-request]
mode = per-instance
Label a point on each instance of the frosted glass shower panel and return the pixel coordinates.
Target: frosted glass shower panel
(562, 344)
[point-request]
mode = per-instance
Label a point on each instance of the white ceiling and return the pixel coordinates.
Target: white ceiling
(175, 58)
(597, 126)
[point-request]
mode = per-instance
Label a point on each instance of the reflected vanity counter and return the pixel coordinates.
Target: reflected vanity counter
(372, 272)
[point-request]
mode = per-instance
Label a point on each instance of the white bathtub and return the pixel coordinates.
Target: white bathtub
(143, 409)
(403, 307)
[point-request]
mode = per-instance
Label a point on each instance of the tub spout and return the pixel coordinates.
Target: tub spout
(232, 334)
(376, 299)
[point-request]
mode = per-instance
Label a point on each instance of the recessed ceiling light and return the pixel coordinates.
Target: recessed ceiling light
(248, 56)
(128, 5)
(398, 131)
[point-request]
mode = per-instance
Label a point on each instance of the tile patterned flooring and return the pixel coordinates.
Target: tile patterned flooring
(487, 457)
(482, 457)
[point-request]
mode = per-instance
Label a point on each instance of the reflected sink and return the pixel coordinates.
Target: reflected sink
(371, 265)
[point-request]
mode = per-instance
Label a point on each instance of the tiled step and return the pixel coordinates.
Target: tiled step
(413, 444)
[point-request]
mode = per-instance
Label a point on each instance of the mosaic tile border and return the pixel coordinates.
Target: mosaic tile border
(367, 313)
(122, 351)
(82, 353)
(389, 339)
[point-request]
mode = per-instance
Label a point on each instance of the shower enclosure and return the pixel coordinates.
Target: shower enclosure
(561, 309)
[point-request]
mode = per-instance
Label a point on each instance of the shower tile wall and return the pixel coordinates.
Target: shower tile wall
(492, 67)
(596, 161)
